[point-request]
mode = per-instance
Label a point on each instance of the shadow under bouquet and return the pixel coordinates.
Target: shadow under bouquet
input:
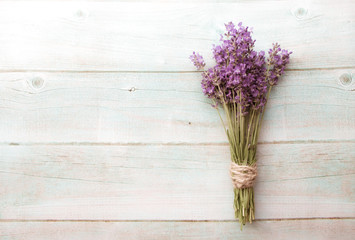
(240, 83)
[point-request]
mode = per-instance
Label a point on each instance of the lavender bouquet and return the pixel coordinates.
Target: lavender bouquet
(241, 82)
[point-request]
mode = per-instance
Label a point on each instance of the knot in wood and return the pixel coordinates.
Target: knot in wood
(81, 14)
(36, 82)
(243, 176)
(345, 79)
(300, 12)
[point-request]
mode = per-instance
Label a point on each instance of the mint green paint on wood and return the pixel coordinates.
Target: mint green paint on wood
(102, 118)
(111, 107)
(172, 182)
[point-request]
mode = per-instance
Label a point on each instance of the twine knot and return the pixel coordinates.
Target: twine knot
(243, 176)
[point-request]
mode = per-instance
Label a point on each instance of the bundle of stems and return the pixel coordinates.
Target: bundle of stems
(242, 132)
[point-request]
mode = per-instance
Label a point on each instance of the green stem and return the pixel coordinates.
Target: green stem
(246, 147)
(220, 117)
(241, 129)
(258, 126)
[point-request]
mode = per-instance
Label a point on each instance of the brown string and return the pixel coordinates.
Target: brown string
(243, 176)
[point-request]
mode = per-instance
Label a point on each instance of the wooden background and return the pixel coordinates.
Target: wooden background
(105, 133)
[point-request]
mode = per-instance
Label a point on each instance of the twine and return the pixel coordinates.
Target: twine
(243, 176)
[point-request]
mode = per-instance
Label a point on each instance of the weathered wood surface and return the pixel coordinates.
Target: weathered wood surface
(172, 182)
(121, 36)
(111, 107)
(102, 119)
(268, 230)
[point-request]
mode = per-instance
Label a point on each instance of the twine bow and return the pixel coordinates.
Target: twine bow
(243, 176)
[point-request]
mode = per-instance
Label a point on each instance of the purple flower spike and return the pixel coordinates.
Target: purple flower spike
(278, 59)
(197, 60)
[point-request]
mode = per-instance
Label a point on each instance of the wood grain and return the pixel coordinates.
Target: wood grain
(164, 108)
(165, 182)
(269, 230)
(117, 36)
(105, 134)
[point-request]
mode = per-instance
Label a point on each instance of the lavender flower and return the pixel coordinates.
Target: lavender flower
(197, 61)
(240, 74)
(277, 61)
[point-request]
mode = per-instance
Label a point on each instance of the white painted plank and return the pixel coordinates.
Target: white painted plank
(164, 108)
(176, 182)
(121, 36)
(342, 229)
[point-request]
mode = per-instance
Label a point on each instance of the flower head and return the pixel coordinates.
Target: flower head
(277, 61)
(197, 60)
(241, 75)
